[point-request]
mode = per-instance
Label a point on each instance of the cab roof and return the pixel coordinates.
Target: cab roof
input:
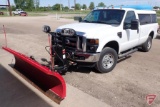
(131, 9)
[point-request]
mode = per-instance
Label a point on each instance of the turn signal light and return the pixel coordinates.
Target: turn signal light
(93, 41)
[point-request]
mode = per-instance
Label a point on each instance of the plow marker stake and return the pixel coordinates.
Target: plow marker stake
(52, 83)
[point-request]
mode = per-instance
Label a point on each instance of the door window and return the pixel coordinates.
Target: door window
(129, 17)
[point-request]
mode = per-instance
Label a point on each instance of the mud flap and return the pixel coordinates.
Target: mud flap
(52, 83)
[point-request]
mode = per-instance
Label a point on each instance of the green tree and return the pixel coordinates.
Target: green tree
(24, 4)
(84, 7)
(66, 8)
(57, 7)
(13, 7)
(101, 4)
(42, 8)
(77, 6)
(19, 3)
(91, 6)
(29, 5)
(36, 3)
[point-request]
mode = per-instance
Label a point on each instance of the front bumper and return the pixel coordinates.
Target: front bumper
(85, 57)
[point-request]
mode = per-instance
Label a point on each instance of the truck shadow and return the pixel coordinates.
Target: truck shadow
(158, 37)
(72, 68)
(92, 69)
(83, 69)
(124, 58)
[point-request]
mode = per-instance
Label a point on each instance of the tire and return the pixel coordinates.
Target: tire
(158, 31)
(147, 45)
(107, 61)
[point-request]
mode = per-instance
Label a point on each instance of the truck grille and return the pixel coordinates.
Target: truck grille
(73, 43)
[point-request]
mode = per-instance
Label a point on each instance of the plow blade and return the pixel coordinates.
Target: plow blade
(51, 83)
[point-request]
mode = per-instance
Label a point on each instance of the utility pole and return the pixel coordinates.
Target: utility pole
(69, 4)
(9, 6)
(74, 4)
(36, 4)
(60, 4)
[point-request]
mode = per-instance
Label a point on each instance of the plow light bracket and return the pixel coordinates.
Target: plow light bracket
(46, 29)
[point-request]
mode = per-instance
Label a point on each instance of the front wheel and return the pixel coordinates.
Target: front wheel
(147, 45)
(107, 60)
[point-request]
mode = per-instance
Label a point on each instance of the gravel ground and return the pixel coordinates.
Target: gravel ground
(126, 86)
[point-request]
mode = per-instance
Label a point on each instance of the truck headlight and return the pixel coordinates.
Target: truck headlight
(92, 45)
(93, 41)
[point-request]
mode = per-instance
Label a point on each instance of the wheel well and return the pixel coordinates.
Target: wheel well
(151, 34)
(112, 44)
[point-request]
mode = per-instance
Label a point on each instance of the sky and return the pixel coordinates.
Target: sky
(87, 2)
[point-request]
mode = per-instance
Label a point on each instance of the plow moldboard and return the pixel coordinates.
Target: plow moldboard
(50, 83)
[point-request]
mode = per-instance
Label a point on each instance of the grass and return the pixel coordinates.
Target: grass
(29, 14)
(62, 12)
(158, 13)
(44, 13)
(36, 14)
(158, 21)
(5, 14)
(72, 12)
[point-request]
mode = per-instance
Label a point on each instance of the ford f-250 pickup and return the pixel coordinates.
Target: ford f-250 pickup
(105, 35)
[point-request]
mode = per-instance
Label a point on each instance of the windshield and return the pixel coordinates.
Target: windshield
(106, 16)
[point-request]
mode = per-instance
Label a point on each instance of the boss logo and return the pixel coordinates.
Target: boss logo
(67, 32)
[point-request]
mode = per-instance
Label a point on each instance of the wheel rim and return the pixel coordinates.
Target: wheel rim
(108, 61)
(149, 44)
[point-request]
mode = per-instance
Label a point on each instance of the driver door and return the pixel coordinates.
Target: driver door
(131, 36)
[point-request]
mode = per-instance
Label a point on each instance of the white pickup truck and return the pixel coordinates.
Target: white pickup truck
(17, 12)
(105, 35)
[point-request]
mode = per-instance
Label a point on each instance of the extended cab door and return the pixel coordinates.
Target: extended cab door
(130, 37)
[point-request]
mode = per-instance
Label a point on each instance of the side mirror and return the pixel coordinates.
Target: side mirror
(46, 29)
(134, 24)
(80, 19)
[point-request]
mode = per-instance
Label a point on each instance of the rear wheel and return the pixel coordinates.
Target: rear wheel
(107, 60)
(158, 31)
(147, 45)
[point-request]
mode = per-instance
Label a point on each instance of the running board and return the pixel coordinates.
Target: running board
(127, 53)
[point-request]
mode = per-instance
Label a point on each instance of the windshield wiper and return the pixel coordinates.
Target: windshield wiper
(100, 22)
(86, 21)
(113, 23)
(103, 22)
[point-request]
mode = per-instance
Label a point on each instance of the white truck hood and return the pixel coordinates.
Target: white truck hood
(89, 30)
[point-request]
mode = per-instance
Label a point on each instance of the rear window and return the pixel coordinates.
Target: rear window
(147, 18)
(154, 18)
